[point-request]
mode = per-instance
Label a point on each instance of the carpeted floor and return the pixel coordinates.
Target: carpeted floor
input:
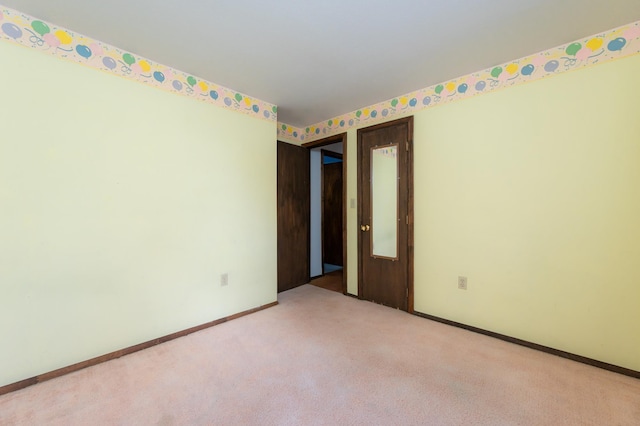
(321, 358)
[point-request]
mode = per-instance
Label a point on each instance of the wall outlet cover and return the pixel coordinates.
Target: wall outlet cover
(462, 283)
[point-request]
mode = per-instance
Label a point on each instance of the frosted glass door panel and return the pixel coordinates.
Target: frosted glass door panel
(384, 201)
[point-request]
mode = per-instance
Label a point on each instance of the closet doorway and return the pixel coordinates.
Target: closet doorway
(331, 205)
(327, 254)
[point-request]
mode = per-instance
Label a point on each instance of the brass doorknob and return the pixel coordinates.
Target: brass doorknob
(364, 227)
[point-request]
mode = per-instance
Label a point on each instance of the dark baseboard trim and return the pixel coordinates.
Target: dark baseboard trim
(552, 351)
(346, 293)
(122, 352)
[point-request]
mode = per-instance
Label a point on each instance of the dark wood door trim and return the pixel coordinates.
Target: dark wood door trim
(408, 121)
(342, 137)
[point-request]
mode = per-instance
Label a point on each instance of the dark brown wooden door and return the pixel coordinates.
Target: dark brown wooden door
(293, 216)
(332, 209)
(385, 213)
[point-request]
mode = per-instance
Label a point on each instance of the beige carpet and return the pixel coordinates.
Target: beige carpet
(321, 358)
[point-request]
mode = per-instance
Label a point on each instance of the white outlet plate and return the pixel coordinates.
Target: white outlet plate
(224, 279)
(462, 283)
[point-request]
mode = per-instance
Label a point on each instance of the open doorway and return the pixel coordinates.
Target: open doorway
(331, 205)
(326, 183)
(327, 253)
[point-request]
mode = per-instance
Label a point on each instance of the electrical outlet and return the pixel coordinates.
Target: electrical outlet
(462, 283)
(224, 279)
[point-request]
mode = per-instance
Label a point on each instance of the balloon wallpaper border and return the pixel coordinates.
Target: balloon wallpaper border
(33, 33)
(48, 38)
(617, 43)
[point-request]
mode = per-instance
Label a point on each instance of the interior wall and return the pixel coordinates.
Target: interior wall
(533, 194)
(120, 207)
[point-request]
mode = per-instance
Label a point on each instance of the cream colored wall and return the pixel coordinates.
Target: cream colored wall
(120, 206)
(533, 193)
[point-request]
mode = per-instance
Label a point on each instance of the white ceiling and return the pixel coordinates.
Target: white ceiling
(317, 60)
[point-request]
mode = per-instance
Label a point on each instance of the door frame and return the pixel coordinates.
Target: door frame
(339, 138)
(410, 219)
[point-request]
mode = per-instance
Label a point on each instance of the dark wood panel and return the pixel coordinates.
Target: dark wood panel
(294, 210)
(122, 352)
(332, 206)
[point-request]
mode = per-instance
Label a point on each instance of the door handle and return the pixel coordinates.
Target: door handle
(364, 228)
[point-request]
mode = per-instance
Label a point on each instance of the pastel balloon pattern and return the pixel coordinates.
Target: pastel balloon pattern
(83, 51)
(51, 40)
(109, 62)
(40, 27)
(34, 33)
(96, 49)
(512, 68)
(128, 59)
(583, 54)
(145, 66)
(616, 43)
(551, 66)
(594, 44)
(573, 48)
(528, 69)
(63, 36)
(11, 30)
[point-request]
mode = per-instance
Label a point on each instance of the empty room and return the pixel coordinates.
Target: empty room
(319, 213)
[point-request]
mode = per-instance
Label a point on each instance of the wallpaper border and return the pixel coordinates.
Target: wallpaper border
(33, 33)
(46, 37)
(613, 44)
